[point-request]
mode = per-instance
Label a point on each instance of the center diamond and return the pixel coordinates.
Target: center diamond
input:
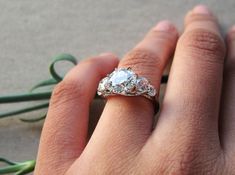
(122, 80)
(121, 76)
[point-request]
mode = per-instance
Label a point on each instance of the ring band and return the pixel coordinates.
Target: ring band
(123, 81)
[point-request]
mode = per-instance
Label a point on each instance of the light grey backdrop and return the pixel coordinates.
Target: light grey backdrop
(31, 32)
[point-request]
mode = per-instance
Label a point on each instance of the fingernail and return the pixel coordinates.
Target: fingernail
(202, 9)
(164, 26)
(106, 54)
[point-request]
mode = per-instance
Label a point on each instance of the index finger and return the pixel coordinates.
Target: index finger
(64, 133)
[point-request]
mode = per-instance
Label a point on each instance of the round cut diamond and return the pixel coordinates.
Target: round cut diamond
(122, 79)
(120, 76)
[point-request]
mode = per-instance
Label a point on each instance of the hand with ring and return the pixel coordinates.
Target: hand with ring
(195, 128)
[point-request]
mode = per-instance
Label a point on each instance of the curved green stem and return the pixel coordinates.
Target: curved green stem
(7, 161)
(33, 120)
(29, 167)
(19, 168)
(61, 57)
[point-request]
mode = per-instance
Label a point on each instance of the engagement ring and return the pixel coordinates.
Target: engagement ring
(123, 81)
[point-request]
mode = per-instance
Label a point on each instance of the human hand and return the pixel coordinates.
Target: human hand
(194, 133)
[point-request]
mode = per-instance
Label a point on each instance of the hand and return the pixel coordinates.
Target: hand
(195, 131)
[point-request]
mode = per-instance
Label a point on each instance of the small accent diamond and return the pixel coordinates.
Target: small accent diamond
(102, 84)
(151, 91)
(117, 89)
(142, 84)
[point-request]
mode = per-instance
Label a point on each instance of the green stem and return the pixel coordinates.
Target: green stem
(19, 168)
(11, 169)
(25, 97)
(33, 120)
(29, 167)
(7, 161)
(24, 110)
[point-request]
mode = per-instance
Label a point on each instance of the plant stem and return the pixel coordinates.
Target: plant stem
(25, 97)
(24, 110)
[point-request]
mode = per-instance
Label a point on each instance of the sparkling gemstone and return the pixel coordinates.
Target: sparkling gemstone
(102, 84)
(130, 87)
(121, 76)
(108, 84)
(151, 91)
(118, 89)
(142, 84)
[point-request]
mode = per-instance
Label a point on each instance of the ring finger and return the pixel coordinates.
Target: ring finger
(126, 122)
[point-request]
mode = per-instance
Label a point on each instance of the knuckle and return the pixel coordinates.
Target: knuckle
(203, 44)
(183, 157)
(189, 163)
(140, 58)
(67, 91)
(143, 62)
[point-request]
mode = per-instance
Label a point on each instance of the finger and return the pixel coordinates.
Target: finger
(126, 122)
(189, 116)
(227, 119)
(65, 130)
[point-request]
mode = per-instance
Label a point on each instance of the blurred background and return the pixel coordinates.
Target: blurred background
(31, 32)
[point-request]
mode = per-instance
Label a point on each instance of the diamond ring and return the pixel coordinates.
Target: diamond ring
(123, 81)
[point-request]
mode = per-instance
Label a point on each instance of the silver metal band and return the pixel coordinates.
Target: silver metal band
(123, 81)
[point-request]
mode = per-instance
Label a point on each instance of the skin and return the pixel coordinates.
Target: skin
(194, 133)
